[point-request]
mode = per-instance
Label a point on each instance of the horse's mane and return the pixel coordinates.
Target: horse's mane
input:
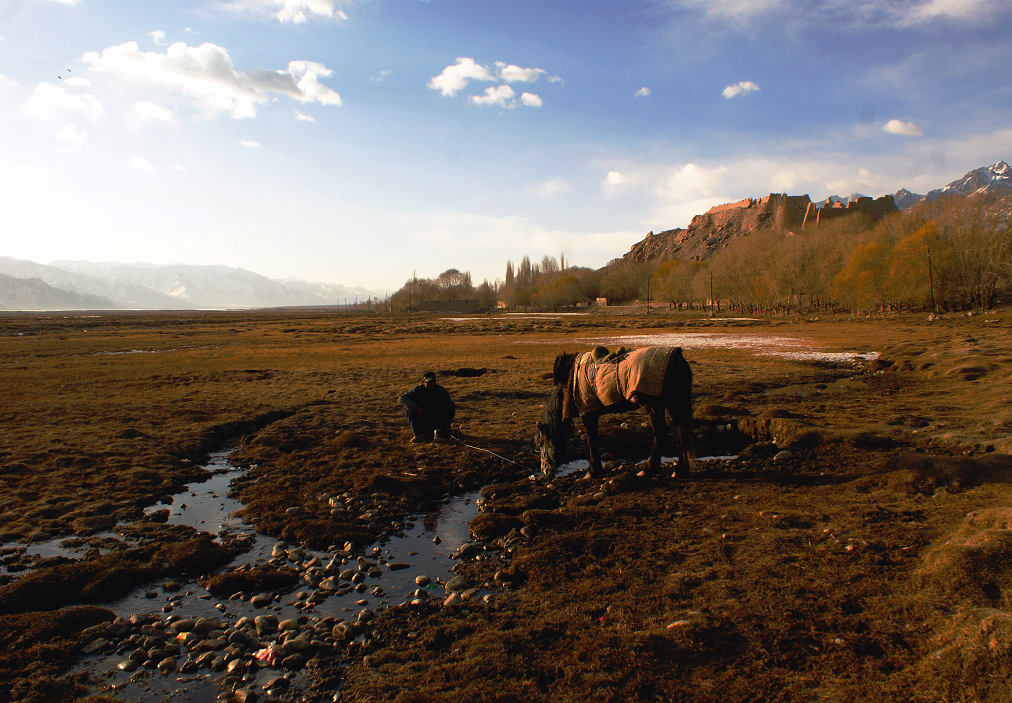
(563, 369)
(562, 377)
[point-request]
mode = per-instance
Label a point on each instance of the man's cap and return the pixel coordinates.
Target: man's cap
(429, 376)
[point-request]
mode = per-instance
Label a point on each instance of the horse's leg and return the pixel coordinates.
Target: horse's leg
(655, 411)
(593, 450)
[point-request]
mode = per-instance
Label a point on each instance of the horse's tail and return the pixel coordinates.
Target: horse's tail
(679, 401)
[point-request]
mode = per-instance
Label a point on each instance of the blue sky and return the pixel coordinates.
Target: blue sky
(361, 141)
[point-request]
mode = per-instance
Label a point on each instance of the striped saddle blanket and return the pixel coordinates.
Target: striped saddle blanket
(600, 380)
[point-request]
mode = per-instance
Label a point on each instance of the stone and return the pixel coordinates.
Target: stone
(95, 646)
(293, 661)
(261, 600)
(457, 583)
(279, 683)
(422, 579)
(265, 624)
(166, 666)
(244, 695)
(182, 626)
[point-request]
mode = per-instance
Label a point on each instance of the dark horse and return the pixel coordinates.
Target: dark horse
(561, 406)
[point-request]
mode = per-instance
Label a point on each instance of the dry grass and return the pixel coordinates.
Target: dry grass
(831, 575)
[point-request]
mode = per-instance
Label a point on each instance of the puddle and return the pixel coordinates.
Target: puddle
(424, 548)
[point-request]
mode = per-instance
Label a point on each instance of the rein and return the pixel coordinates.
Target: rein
(489, 451)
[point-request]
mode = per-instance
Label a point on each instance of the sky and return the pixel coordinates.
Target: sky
(361, 142)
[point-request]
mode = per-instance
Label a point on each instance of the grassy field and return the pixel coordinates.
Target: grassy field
(873, 561)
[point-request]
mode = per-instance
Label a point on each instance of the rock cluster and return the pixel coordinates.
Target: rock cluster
(233, 653)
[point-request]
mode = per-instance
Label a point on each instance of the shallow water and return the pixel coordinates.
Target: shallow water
(426, 547)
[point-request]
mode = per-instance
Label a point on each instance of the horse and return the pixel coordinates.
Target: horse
(597, 383)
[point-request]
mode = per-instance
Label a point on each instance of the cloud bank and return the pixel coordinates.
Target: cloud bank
(206, 75)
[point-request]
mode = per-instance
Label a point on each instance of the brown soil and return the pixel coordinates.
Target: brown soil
(873, 563)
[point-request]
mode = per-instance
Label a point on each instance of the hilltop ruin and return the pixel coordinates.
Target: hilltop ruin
(718, 226)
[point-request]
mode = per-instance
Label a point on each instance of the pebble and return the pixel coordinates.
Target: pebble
(783, 455)
(167, 665)
(261, 600)
(457, 583)
(422, 579)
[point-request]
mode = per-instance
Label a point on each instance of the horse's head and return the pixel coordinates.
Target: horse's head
(552, 433)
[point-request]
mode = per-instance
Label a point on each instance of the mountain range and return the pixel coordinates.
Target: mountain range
(986, 180)
(722, 224)
(84, 285)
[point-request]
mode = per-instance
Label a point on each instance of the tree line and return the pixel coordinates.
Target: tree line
(948, 254)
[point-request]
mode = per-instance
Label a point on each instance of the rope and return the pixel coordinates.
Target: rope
(489, 451)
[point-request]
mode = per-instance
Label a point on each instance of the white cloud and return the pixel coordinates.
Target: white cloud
(48, 100)
(294, 11)
(501, 95)
(907, 129)
(303, 117)
(75, 82)
(66, 2)
(513, 74)
(145, 112)
(158, 37)
(7, 82)
(139, 163)
(71, 135)
(249, 144)
(739, 88)
(856, 13)
(206, 74)
(617, 178)
(381, 75)
(642, 92)
(530, 99)
(454, 78)
(178, 167)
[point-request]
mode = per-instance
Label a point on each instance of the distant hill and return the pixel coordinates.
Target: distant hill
(87, 285)
(716, 228)
(35, 294)
(719, 226)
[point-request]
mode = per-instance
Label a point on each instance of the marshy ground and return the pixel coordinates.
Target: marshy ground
(858, 545)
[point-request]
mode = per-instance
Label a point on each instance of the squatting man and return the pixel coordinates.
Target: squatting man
(430, 410)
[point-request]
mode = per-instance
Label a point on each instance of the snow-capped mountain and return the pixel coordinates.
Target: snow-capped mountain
(986, 179)
(996, 178)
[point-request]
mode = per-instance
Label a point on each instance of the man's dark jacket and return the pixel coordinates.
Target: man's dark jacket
(434, 404)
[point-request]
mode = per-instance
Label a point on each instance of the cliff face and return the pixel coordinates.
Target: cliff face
(721, 224)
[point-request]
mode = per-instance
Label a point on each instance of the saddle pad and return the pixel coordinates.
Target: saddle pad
(598, 384)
